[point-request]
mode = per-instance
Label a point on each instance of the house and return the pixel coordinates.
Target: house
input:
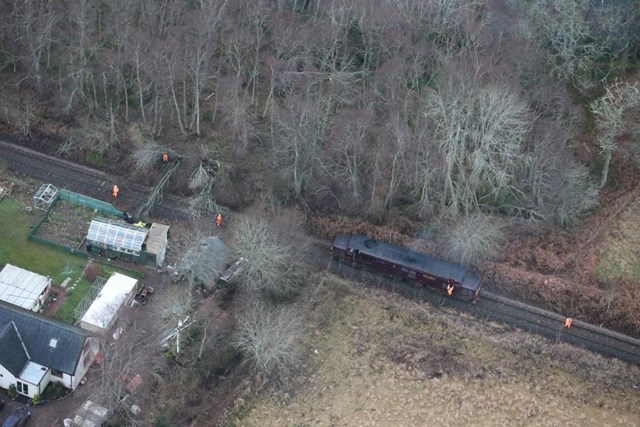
(117, 292)
(23, 288)
(36, 350)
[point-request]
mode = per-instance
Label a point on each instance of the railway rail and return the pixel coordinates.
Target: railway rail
(505, 310)
(86, 180)
(98, 184)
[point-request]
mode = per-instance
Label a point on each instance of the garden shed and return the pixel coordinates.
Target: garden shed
(117, 292)
(157, 242)
(45, 197)
(23, 288)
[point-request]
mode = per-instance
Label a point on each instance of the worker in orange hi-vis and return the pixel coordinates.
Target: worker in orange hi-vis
(450, 289)
(219, 220)
(165, 157)
(568, 323)
(116, 191)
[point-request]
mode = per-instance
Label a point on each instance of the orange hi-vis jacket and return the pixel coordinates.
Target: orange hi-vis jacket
(116, 190)
(568, 322)
(219, 220)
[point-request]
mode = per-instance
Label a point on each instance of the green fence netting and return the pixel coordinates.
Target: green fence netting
(90, 202)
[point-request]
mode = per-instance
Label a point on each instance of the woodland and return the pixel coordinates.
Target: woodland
(459, 122)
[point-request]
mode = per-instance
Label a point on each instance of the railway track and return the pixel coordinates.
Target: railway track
(98, 184)
(515, 313)
(85, 180)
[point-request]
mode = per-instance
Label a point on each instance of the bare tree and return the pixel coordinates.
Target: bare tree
(33, 22)
(558, 187)
(94, 136)
(347, 148)
(157, 191)
(269, 337)
(481, 131)
(301, 129)
(176, 303)
(149, 156)
(202, 263)
(122, 359)
(610, 112)
(202, 182)
(274, 258)
(21, 117)
(475, 239)
(574, 35)
(576, 193)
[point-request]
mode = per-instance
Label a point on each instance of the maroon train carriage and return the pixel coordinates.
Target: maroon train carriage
(415, 267)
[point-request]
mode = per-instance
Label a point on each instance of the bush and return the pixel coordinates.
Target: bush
(55, 390)
(36, 399)
(162, 421)
(12, 392)
(92, 271)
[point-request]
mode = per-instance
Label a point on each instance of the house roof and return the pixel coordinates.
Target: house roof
(120, 236)
(15, 359)
(47, 341)
(109, 300)
(21, 287)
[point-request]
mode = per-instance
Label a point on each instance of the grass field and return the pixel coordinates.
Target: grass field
(374, 359)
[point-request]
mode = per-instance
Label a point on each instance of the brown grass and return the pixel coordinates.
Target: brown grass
(620, 249)
(385, 361)
(328, 226)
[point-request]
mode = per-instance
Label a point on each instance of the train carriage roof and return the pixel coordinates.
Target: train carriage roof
(415, 260)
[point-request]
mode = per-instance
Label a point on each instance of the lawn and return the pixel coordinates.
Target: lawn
(15, 249)
(65, 312)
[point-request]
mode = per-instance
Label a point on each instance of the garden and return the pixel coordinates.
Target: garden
(65, 226)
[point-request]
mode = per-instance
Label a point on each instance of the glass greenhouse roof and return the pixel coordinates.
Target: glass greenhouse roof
(117, 235)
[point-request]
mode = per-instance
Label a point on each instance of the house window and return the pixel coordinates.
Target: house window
(22, 388)
(56, 373)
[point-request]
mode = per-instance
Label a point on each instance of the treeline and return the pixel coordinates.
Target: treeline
(432, 108)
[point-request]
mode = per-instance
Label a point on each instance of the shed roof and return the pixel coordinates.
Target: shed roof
(118, 235)
(37, 333)
(157, 239)
(103, 309)
(21, 287)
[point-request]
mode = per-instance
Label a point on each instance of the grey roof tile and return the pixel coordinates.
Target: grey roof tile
(37, 332)
(13, 355)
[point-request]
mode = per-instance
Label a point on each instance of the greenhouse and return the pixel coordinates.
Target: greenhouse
(116, 236)
(45, 197)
